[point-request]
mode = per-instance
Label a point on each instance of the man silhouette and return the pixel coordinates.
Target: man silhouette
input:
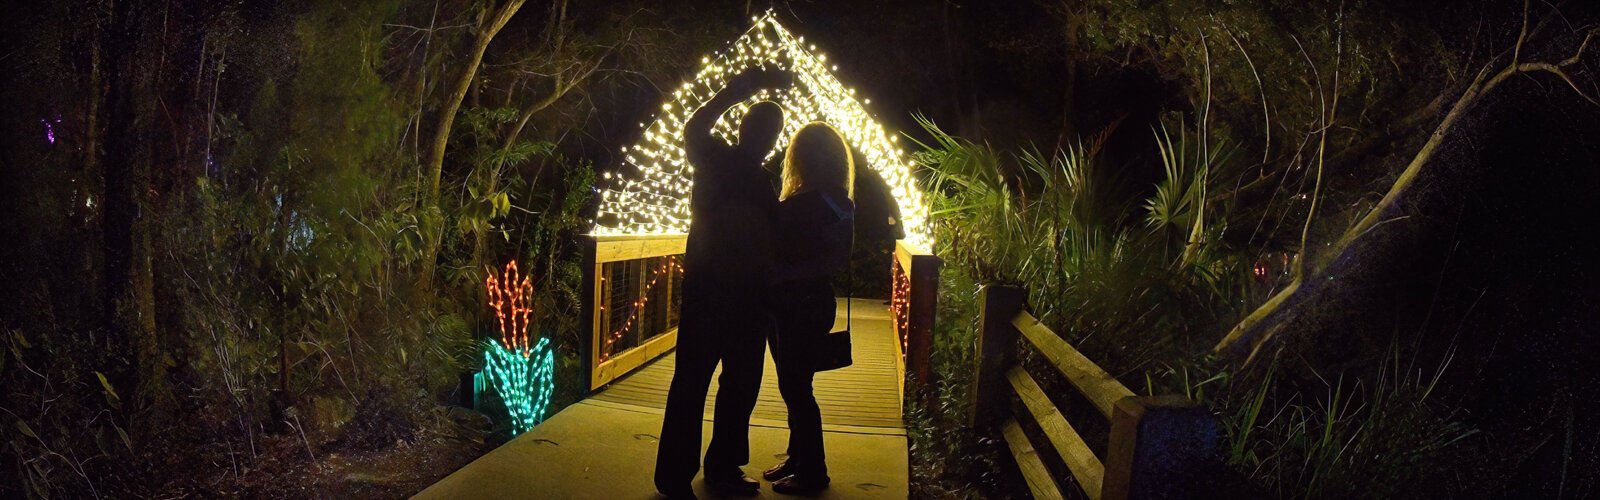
(730, 246)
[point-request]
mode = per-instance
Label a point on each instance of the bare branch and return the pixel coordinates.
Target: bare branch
(1579, 53)
(1248, 337)
(1522, 36)
(1266, 118)
(1555, 69)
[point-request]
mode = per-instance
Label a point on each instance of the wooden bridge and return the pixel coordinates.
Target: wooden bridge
(605, 445)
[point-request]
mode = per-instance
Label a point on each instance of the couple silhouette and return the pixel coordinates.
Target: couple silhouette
(761, 251)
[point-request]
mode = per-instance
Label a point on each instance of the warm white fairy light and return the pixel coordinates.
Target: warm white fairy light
(650, 193)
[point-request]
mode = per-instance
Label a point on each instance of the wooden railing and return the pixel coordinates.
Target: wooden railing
(1159, 446)
(623, 335)
(632, 290)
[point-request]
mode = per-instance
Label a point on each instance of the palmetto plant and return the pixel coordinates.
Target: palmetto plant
(1029, 218)
(1179, 203)
(970, 192)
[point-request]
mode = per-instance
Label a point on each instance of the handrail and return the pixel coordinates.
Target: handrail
(1100, 387)
(613, 248)
(1159, 445)
(1033, 469)
(915, 304)
(1080, 460)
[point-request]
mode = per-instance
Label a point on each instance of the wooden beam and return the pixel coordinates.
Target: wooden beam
(997, 352)
(899, 361)
(618, 248)
(1100, 387)
(1033, 471)
(589, 319)
(631, 359)
(904, 253)
(1119, 454)
(1069, 444)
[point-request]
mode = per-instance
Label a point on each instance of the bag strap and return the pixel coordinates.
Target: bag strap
(850, 273)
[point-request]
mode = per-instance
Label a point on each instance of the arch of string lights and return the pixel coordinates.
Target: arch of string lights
(649, 193)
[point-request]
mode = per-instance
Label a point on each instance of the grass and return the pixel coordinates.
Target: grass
(1355, 437)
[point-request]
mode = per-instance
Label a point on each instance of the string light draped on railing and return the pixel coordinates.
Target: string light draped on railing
(649, 194)
(667, 265)
(900, 302)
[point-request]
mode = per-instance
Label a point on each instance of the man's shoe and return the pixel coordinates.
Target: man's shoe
(732, 483)
(780, 471)
(801, 485)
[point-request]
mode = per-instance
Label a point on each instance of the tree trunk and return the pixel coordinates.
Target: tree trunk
(481, 240)
(91, 195)
(441, 137)
(1074, 23)
(282, 398)
(128, 277)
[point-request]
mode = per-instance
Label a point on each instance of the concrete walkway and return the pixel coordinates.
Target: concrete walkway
(605, 446)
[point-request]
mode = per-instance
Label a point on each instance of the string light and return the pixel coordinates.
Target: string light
(900, 303)
(50, 130)
(649, 195)
(525, 383)
(668, 265)
(522, 374)
(511, 299)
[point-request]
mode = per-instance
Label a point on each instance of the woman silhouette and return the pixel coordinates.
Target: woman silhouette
(814, 224)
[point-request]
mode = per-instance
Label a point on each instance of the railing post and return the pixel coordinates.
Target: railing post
(1162, 447)
(918, 303)
(923, 305)
(997, 352)
(589, 314)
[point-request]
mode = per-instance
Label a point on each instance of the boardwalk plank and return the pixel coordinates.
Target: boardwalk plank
(866, 394)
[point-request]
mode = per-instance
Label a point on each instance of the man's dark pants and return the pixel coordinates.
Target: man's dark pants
(719, 324)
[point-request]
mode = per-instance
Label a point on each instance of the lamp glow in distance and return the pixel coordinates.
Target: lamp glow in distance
(650, 192)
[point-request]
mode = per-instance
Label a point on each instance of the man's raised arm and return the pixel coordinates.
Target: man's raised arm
(697, 139)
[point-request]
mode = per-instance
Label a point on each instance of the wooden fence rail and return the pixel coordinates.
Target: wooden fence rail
(630, 308)
(630, 312)
(1160, 446)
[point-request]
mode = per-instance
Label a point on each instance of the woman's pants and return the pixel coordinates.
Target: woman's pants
(803, 318)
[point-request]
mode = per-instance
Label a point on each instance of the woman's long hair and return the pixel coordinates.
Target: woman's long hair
(818, 156)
